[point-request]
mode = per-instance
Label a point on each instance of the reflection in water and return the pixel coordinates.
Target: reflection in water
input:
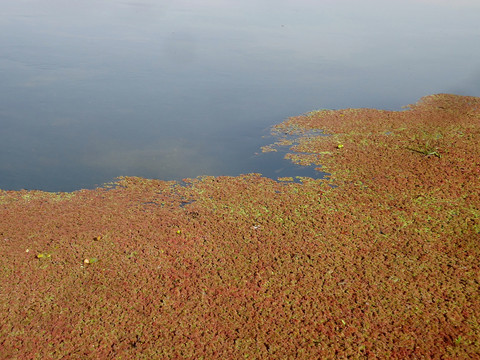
(173, 89)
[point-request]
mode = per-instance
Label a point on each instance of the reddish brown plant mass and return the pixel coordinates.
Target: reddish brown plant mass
(380, 260)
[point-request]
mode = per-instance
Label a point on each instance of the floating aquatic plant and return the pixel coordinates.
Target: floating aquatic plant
(378, 261)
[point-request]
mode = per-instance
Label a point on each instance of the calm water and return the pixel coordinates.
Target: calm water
(92, 89)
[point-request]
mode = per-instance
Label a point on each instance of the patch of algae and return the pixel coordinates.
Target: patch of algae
(430, 152)
(27, 195)
(378, 261)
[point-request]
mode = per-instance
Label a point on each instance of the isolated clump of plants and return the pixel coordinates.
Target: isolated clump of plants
(379, 260)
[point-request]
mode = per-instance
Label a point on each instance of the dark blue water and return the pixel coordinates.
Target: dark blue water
(92, 90)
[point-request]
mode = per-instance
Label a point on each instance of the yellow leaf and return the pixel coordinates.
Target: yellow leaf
(90, 260)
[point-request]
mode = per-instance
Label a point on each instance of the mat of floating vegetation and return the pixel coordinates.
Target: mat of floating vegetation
(380, 260)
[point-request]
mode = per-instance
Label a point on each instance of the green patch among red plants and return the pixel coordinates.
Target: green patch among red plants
(380, 260)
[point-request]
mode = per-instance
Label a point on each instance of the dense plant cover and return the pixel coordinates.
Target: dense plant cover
(380, 260)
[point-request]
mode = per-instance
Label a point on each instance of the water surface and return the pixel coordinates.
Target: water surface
(91, 90)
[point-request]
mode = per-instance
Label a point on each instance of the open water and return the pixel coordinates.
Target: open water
(168, 89)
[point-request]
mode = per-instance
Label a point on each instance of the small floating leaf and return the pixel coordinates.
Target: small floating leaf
(90, 260)
(44, 256)
(97, 238)
(132, 254)
(339, 146)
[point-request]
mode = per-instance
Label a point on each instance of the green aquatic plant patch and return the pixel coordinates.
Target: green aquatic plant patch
(380, 260)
